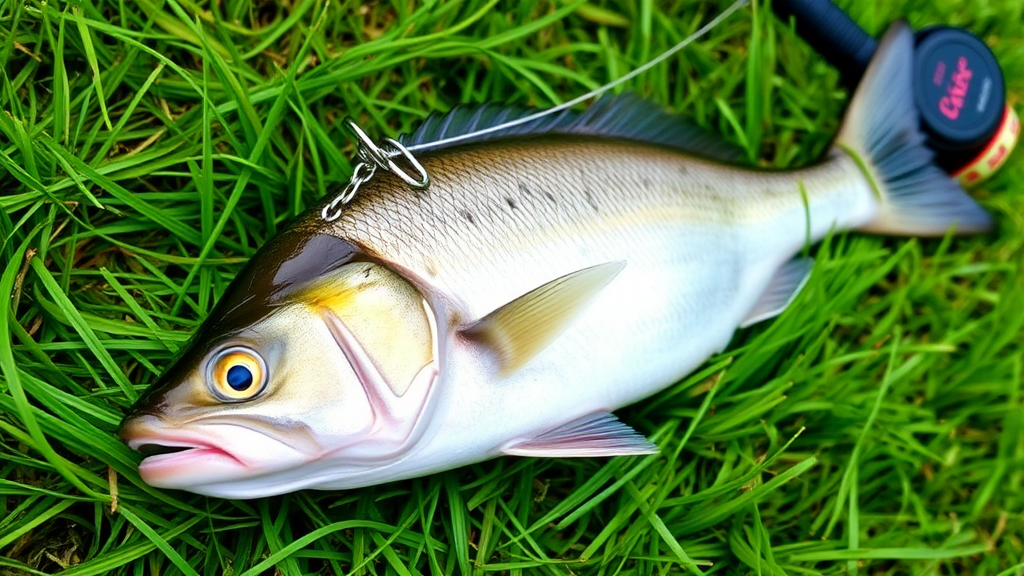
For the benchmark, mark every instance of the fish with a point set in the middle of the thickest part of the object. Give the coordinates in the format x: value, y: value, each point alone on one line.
x: 549, y: 275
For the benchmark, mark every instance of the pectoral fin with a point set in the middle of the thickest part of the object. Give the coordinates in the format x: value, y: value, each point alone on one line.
x: 519, y: 330
x: 783, y: 288
x: 600, y: 434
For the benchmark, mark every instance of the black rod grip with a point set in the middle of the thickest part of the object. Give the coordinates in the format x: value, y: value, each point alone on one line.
x: 831, y: 33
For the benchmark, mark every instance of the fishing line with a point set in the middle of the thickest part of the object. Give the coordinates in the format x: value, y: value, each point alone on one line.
x: 596, y: 92
x: 375, y: 157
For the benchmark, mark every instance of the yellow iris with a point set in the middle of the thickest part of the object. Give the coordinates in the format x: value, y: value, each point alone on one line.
x: 237, y: 374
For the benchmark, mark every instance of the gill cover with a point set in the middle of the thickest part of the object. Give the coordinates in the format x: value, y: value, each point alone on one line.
x: 368, y: 307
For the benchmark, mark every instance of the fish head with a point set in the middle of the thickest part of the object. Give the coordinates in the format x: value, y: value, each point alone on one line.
x: 325, y: 370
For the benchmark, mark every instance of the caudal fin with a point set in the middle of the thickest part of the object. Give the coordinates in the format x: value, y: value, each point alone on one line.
x: 881, y: 132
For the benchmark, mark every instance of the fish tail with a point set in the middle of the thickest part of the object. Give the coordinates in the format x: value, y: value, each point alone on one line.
x: 917, y: 198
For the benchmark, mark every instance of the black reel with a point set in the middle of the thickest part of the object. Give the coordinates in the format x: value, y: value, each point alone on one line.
x: 958, y: 84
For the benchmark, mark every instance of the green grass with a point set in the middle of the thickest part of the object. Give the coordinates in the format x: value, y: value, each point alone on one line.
x: 148, y: 148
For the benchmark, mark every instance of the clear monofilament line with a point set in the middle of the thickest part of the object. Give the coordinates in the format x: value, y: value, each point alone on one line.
x: 596, y: 92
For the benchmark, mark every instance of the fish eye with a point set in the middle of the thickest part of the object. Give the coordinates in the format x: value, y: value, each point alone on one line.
x: 236, y: 374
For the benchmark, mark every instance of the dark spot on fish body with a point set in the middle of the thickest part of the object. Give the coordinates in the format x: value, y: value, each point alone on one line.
x: 550, y: 197
x: 591, y: 200
x: 511, y: 203
x: 588, y: 194
x: 467, y: 216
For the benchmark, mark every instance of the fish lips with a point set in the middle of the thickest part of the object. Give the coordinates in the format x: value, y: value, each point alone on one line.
x: 189, y: 457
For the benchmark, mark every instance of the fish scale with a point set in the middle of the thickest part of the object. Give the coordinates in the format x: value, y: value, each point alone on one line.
x: 562, y: 223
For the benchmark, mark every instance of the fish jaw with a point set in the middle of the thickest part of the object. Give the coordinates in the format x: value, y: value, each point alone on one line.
x: 205, y: 457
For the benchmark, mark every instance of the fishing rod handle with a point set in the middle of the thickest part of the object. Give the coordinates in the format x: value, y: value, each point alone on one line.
x: 831, y: 33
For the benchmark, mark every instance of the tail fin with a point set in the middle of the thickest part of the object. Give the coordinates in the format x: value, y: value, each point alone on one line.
x: 881, y: 132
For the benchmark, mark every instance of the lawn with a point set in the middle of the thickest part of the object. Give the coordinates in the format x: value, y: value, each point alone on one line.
x: 148, y: 148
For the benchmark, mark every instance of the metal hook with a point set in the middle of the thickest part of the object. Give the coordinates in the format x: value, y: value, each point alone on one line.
x: 373, y: 157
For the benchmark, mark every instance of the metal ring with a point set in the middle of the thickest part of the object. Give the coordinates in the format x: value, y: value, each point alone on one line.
x: 373, y: 154
x: 373, y: 157
x: 366, y: 148
x: 424, y: 179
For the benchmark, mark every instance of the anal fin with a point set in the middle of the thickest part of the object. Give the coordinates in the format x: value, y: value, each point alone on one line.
x: 598, y: 434
x: 522, y: 328
x: 783, y: 288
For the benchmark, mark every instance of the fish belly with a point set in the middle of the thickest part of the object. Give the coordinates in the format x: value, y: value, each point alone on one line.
x: 665, y: 314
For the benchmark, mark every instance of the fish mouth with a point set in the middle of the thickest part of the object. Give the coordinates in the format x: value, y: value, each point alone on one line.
x: 169, y: 452
x: 152, y: 449
x: 163, y: 450
x: 180, y: 461
x: 203, y: 457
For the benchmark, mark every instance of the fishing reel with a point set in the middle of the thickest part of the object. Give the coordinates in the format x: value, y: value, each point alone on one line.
x: 958, y: 85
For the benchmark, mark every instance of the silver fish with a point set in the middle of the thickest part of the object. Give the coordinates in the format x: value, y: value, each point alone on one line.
x: 546, y: 278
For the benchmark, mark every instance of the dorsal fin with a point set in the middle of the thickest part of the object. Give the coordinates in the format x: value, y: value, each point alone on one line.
x: 626, y: 116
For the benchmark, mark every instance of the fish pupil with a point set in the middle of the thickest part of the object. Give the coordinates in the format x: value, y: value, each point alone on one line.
x: 239, y: 377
